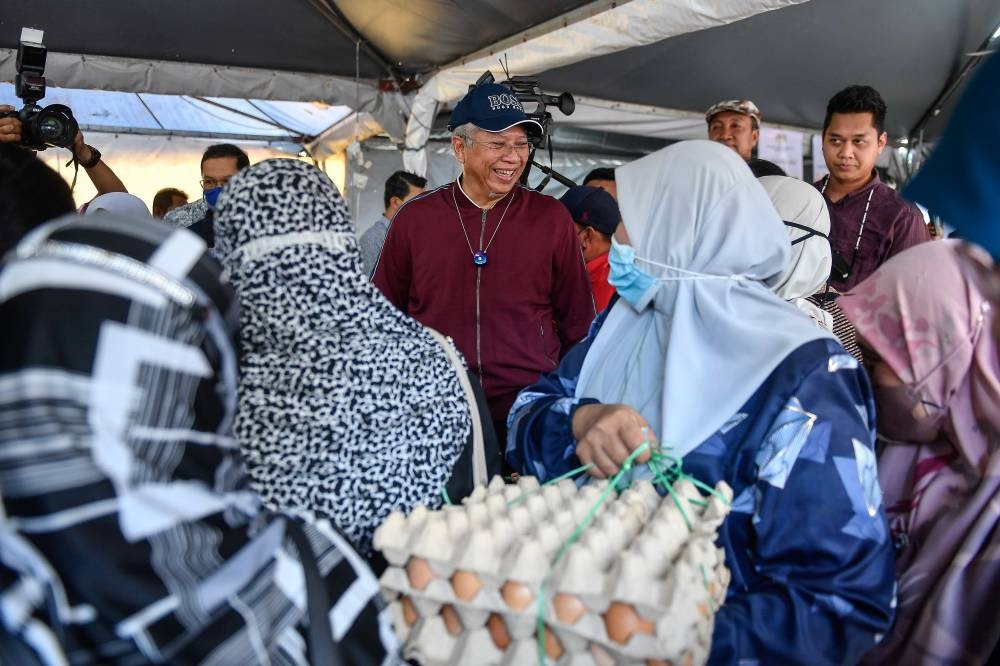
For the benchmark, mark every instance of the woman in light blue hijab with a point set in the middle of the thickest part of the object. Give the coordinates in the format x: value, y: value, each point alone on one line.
x: 697, y: 353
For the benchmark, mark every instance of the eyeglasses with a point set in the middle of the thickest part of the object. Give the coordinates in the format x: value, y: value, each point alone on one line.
x: 502, y: 148
x: 212, y: 183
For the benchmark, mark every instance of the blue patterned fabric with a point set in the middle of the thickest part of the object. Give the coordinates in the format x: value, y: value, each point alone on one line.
x: 807, y: 541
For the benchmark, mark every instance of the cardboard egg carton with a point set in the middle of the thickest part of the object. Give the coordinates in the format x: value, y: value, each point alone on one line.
x: 639, y: 585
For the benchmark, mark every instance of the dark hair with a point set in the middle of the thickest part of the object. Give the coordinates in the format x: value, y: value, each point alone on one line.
x: 30, y: 194
x: 399, y: 184
x: 761, y: 167
x: 165, y: 197
x: 600, y: 173
x: 227, y: 150
x: 857, y: 99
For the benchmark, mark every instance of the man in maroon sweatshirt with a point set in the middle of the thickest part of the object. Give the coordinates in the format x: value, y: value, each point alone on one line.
x: 488, y: 262
x: 869, y: 222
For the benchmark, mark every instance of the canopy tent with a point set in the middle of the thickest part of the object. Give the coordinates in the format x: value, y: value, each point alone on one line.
x: 642, y: 67
x: 789, y: 60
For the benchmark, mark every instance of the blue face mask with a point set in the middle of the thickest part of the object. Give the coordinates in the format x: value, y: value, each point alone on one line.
x: 212, y: 195
x: 633, y: 284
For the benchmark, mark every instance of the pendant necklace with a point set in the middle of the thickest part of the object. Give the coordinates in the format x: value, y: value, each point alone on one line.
x: 479, y: 257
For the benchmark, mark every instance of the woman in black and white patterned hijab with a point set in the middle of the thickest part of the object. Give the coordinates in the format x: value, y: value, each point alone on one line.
x: 346, y: 406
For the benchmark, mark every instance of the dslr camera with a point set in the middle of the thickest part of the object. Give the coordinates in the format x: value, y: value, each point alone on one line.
x: 41, y: 127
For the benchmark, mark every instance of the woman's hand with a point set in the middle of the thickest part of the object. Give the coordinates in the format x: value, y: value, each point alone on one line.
x: 606, y: 435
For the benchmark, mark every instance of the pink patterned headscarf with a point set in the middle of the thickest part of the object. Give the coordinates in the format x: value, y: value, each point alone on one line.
x: 926, y: 314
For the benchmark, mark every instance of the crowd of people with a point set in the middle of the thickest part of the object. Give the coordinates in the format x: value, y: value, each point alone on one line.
x: 207, y: 409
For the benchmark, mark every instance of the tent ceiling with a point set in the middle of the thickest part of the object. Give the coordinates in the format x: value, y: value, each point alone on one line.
x: 789, y: 61
x: 429, y: 33
x: 792, y: 60
x: 290, y: 35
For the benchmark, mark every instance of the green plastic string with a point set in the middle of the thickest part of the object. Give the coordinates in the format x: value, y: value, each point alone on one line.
x: 676, y: 468
x: 673, y: 494
x: 444, y: 494
x: 612, y: 486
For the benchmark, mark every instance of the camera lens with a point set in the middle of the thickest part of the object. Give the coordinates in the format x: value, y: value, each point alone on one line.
x: 53, y: 126
x: 50, y: 128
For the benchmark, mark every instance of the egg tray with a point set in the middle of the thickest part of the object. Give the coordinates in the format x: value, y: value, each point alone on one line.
x: 464, y: 581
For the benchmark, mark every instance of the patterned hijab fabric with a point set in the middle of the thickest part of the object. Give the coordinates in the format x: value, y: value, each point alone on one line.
x: 129, y: 534
x: 809, y: 267
x: 925, y: 314
x: 696, y: 207
x: 347, y: 407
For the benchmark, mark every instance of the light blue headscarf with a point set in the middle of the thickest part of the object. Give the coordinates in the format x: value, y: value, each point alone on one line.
x: 713, y: 331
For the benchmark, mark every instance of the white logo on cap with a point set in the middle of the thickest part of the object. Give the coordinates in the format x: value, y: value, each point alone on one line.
x: 504, y: 101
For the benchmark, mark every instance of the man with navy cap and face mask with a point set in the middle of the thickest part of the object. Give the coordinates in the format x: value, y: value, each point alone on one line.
x: 488, y: 262
x: 596, y: 215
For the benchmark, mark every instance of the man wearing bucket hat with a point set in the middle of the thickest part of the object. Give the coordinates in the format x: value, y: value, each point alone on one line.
x: 735, y: 123
x: 488, y: 262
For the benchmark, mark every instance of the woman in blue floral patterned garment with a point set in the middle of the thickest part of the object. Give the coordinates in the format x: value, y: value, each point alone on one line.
x: 697, y: 354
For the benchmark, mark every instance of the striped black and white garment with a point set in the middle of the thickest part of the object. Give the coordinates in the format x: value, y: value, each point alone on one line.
x: 129, y: 533
x: 347, y: 407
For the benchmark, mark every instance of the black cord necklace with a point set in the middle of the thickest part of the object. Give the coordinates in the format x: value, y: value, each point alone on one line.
x: 479, y: 257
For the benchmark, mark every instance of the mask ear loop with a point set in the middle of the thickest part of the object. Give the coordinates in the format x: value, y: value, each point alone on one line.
x: 810, y: 232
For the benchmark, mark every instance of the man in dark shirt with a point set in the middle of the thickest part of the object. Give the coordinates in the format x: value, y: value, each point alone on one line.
x: 487, y: 261
x: 219, y: 163
x: 869, y: 222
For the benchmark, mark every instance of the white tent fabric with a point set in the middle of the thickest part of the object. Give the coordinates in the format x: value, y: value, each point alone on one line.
x: 218, y: 117
x: 620, y: 27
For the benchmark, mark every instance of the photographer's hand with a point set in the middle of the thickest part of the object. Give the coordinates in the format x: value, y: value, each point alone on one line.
x: 10, y: 128
x: 100, y: 174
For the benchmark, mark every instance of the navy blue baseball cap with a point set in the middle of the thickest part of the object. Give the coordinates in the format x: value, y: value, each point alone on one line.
x: 494, y: 108
x: 592, y: 207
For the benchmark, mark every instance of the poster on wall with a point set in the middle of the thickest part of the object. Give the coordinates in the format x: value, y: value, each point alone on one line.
x: 819, y: 164
x: 783, y: 147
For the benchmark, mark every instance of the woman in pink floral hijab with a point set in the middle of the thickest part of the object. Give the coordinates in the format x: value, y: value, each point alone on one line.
x: 926, y: 318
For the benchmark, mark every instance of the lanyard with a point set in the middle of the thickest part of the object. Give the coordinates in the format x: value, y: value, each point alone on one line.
x: 864, y: 218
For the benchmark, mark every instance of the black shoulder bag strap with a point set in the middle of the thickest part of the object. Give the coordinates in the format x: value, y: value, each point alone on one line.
x: 323, y: 650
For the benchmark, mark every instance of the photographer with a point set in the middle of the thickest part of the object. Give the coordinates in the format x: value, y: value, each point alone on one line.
x: 88, y: 157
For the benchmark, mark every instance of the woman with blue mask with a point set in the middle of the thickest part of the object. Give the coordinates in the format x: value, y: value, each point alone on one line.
x: 699, y: 355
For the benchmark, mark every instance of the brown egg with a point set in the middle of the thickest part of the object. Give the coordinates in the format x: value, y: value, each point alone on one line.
x: 658, y: 662
x: 419, y: 573
x: 466, y: 585
x: 688, y: 659
x: 553, y: 648
x: 569, y: 609
x: 498, y: 631
x: 516, y: 595
x: 703, y: 609
x: 622, y: 622
x: 410, y: 614
x: 452, y: 622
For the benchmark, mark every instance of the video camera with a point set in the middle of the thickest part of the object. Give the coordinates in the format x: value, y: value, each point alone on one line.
x: 533, y: 100
x: 41, y: 127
